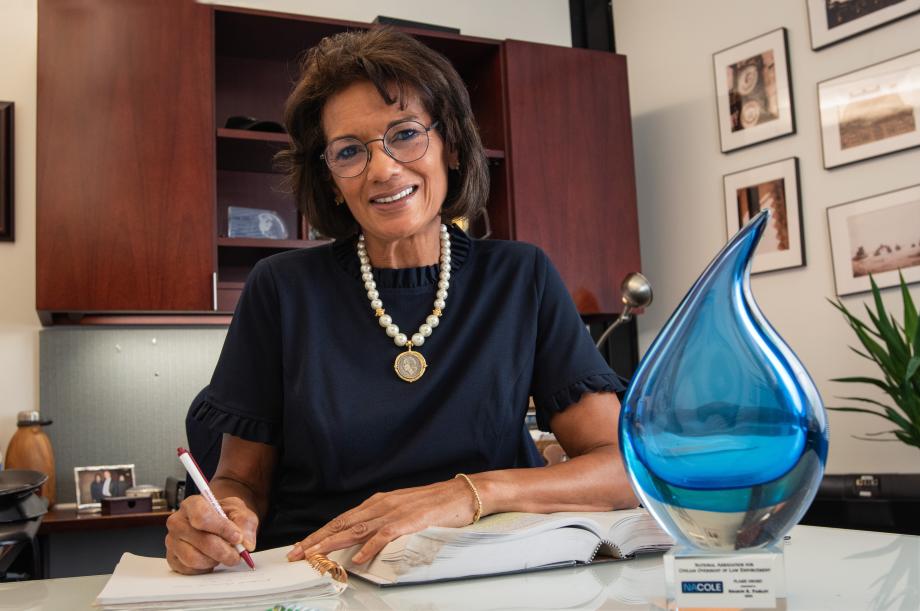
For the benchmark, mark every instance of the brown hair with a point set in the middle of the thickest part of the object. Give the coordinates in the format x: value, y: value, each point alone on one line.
x: 388, y: 59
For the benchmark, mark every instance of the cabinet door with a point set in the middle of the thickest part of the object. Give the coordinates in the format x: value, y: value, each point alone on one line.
x: 125, y: 172
x: 571, y: 164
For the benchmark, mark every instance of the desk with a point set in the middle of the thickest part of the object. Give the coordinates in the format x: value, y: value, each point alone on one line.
x: 69, y: 520
x: 75, y: 544
x: 826, y: 569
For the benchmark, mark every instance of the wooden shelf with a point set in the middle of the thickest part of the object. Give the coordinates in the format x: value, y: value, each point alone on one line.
x: 68, y: 520
x: 270, y: 244
x: 241, y: 150
x: 245, y: 134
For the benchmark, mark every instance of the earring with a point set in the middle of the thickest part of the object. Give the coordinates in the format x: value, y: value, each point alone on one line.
x: 339, y: 200
x: 455, y: 166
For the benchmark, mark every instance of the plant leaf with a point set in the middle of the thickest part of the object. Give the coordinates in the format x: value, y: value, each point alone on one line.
x: 910, y: 312
x: 874, y: 439
x: 865, y: 400
x: 912, y: 366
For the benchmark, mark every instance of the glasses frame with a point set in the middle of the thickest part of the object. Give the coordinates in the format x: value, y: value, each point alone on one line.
x: 383, y: 141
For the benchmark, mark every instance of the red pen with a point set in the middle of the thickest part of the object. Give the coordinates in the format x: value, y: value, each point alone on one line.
x: 198, y: 477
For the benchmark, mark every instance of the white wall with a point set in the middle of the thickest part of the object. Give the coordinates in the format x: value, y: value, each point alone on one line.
x: 18, y: 322
x: 534, y: 20
x: 679, y: 168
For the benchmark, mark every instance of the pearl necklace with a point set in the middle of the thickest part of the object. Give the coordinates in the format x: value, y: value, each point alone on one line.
x: 409, y: 365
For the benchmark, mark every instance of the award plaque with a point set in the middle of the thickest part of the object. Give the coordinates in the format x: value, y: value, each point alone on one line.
x: 724, y: 437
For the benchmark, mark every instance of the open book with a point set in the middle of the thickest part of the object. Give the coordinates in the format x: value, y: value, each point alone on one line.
x: 148, y: 583
x: 509, y: 543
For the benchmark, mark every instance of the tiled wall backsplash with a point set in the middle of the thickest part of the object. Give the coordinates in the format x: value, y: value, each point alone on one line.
x: 120, y: 396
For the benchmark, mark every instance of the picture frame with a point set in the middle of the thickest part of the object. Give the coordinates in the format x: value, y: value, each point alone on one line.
x: 831, y: 21
x: 776, y: 186
x: 91, y: 485
x: 870, y: 112
x: 754, y: 91
x: 6, y: 171
x: 877, y: 235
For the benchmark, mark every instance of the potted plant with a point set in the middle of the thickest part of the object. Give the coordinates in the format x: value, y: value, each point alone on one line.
x: 895, y: 348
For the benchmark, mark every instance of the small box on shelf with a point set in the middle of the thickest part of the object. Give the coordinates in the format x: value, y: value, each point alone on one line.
x: 113, y: 505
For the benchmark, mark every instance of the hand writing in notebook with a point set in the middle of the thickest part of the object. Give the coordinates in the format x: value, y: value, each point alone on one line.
x: 199, y: 538
x: 388, y: 515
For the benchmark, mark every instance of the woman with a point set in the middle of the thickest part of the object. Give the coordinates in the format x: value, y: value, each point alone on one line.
x: 346, y: 421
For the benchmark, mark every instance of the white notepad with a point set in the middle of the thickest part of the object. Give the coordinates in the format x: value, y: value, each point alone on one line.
x: 139, y: 581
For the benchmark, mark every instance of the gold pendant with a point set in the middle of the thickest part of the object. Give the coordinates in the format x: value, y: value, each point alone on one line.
x: 410, y: 365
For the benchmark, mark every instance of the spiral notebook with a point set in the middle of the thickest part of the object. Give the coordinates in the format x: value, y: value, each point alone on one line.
x: 140, y: 582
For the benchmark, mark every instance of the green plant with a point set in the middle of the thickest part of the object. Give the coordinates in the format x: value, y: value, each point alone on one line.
x: 895, y: 349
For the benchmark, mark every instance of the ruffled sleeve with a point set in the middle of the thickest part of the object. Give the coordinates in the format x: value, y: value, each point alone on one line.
x: 245, y: 396
x: 572, y: 393
x: 245, y: 426
x: 566, y: 363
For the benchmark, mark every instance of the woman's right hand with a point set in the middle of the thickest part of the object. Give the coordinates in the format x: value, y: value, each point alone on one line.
x: 198, y: 538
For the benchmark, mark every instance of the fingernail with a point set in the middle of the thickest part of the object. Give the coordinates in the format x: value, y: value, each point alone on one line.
x: 358, y: 558
x: 294, y: 552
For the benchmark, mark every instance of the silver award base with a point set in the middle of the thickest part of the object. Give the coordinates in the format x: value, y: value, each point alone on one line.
x: 749, y: 579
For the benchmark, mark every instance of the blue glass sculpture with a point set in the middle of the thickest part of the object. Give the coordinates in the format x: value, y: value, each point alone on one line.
x: 722, y: 430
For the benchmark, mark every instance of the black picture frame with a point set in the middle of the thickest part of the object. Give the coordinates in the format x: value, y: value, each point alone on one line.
x: 6, y: 172
x: 877, y: 235
x: 824, y: 35
x: 882, y: 111
x: 753, y: 82
x: 775, y: 185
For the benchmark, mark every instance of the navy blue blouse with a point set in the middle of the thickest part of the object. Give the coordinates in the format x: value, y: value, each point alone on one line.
x: 307, y: 368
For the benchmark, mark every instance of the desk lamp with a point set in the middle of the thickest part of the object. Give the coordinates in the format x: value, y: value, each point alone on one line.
x: 636, y: 293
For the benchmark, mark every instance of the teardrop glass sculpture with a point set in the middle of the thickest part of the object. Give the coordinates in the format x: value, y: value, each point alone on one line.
x: 722, y: 430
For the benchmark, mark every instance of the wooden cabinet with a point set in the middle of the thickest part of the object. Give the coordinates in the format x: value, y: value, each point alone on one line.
x: 125, y: 167
x: 570, y: 161
x: 138, y: 168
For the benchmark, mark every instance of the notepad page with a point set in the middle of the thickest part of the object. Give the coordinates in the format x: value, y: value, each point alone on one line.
x: 142, y: 579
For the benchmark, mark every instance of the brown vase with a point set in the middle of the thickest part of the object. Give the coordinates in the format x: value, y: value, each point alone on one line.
x: 30, y: 448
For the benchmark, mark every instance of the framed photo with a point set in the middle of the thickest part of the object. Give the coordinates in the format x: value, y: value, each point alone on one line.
x: 834, y: 20
x: 753, y: 92
x: 94, y: 483
x: 871, y: 112
x: 877, y: 235
x: 6, y: 171
x: 774, y: 186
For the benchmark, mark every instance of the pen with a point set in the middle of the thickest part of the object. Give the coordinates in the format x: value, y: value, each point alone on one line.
x: 198, y: 477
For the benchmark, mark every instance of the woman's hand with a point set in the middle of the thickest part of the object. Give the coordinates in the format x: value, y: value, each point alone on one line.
x: 198, y: 538
x: 388, y: 515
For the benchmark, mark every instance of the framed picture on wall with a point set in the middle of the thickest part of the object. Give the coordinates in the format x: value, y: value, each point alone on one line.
x: 774, y: 186
x: 877, y: 235
x: 753, y: 92
x: 871, y: 112
x: 6, y: 171
x: 831, y: 21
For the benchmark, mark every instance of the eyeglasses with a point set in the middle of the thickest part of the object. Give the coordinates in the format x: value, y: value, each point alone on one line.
x: 405, y: 142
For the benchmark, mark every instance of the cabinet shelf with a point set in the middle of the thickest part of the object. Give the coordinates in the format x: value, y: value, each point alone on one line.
x: 245, y: 134
x: 240, y: 150
x: 268, y: 244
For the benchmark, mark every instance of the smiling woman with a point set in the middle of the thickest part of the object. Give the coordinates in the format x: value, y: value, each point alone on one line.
x: 325, y: 443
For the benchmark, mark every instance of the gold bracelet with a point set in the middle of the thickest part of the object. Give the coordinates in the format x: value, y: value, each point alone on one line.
x: 469, y: 483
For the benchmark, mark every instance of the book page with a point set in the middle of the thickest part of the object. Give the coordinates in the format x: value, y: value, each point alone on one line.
x: 511, y: 525
x: 138, y: 579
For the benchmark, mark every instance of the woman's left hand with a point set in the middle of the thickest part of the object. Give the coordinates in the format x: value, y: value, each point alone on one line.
x: 388, y: 515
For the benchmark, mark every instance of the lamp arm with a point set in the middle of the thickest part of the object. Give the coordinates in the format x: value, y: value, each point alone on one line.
x: 625, y: 316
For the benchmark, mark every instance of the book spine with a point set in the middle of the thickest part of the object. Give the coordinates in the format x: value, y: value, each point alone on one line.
x: 616, y: 552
